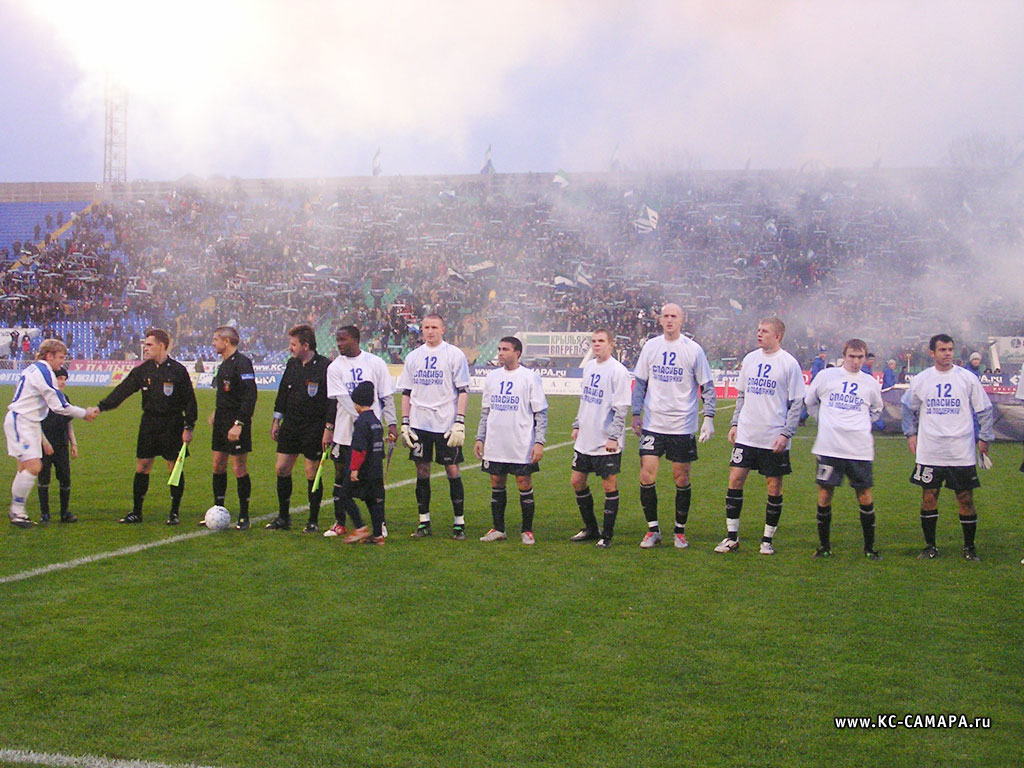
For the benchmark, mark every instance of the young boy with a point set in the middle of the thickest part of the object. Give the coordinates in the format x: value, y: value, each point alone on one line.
x: 59, y: 447
x: 367, y: 467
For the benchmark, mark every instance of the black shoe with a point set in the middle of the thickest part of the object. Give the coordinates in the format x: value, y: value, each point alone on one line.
x: 871, y: 554
x: 603, y: 543
x: 172, y: 519
x: 44, y: 517
x: 131, y: 517
x: 821, y: 553
x: 279, y: 524
x: 243, y: 524
x: 586, y: 535
x: 929, y: 553
x: 311, y: 527
x: 69, y: 517
x: 422, y: 531
x: 459, y: 533
x: 968, y: 553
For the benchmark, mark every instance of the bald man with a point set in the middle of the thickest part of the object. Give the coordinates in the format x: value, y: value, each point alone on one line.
x: 672, y: 375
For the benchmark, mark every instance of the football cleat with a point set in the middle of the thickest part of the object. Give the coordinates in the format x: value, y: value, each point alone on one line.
x: 969, y: 554
x: 526, y: 537
x: 44, y: 517
x: 336, y: 530
x: 586, y: 535
x: 650, y: 540
x: 821, y: 553
x: 680, y: 541
x: 929, y: 553
x: 358, y: 535
x: 422, y: 531
x: 767, y: 548
x: 242, y: 524
x: 172, y: 519
x: 69, y: 517
x: 459, y: 532
x: 871, y: 554
x: 279, y: 524
x: 22, y: 521
x: 311, y: 527
x: 727, y: 545
x: 378, y: 540
x: 603, y: 543
x: 130, y: 518
x: 493, y: 535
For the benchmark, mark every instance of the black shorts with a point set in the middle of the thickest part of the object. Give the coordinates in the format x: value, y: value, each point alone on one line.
x: 955, y: 478
x: 680, y: 449
x: 434, y: 446
x: 220, y: 440
x: 606, y: 465
x: 832, y: 470
x: 305, y: 437
x: 507, y: 468
x: 159, y: 437
x: 764, y: 460
x: 371, y: 491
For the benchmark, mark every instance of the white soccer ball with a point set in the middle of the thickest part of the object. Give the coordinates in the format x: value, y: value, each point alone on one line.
x: 218, y: 518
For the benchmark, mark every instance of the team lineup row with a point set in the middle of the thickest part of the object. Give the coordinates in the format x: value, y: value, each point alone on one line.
x: 334, y: 411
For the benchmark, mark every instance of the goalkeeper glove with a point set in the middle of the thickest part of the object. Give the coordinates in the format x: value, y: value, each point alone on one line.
x: 707, y: 429
x: 457, y: 434
x: 409, y: 437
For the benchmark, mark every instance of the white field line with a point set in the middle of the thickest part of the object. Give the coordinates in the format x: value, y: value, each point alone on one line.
x: 68, y: 564
x: 82, y: 761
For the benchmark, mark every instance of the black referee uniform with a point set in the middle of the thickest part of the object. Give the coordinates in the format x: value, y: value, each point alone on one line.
x: 303, y: 409
x: 168, y: 408
x: 235, y: 382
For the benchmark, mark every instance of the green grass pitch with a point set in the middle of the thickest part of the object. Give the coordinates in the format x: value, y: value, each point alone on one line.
x: 283, y: 649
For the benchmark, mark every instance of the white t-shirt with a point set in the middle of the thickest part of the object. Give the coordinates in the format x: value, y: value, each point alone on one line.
x: 768, y: 383
x: 845, y: 401
x: 946, y: 402
x: 37, y: 393
x: 606, y: 386
x: 512, y: 397
x: 434, y: 375
x: 674, y: 372
x: 343, y: 375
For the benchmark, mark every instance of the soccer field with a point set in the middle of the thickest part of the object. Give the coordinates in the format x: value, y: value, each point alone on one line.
x: 266, y: 648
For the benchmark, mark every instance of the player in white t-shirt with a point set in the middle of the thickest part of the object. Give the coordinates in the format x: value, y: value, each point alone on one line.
x: 510, y: 438
x: 939, y: 408
x: 845, y: 401
x: 351, y: 367
x: 671, y: 376
x: 435, y: 389
x: 768, y: 408
x: 599, y: 432
x: 34, y: 397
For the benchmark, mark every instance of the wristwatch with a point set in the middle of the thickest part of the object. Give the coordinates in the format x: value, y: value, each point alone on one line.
x: 239, y: 423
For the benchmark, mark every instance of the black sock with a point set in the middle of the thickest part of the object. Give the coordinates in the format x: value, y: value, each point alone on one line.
x: 499, y: 497
x: 867, y: 524
x: 284, y: 496
x: 220, y: 488
x: 315, y: 497
x: 457, y: 492
x: 65, y: 500
x: 825, y: 526
x: 139, y: 487
x: 928, y: 522
x: 377, y: 517
x: 649, y: 502
x: 244, y: 491
x: 970, y: 527
x: 772, y: 513
x: 611, y: 510
x: 177, y: 491
x: 353, y: 511
x: 339, y: 505
x: 682, y: 508
x: 44, y: 498
x: 733, y: 507
x: 585, y: 501
x: 423, y: 498
x: 527, y: 506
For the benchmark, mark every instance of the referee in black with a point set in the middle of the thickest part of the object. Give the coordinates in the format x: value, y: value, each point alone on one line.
x: 300, y: 412
x: 235, y: 382
x: 168, y: 417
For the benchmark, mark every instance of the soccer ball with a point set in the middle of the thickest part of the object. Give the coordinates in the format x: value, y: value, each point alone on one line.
x: 218, y: 518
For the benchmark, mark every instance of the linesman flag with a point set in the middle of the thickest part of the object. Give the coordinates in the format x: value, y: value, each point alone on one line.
x: 179, y: 466
x: 317, y: 479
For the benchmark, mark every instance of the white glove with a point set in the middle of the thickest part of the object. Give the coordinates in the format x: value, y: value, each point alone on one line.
x: 707, y: 429
x: 457, y: 434
x: 984, y: 461
x: 409, y: 437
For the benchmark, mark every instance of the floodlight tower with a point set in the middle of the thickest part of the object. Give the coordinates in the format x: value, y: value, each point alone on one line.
x: 115, y: 134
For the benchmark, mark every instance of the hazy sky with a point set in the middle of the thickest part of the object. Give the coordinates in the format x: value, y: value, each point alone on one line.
x: 307, y: 88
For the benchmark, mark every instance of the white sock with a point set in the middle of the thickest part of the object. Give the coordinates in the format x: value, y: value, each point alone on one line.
x: 732, y: 524
x: 21, y: 487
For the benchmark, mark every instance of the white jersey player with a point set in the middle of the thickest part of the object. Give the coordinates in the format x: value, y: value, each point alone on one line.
x: 768, y: 408
x: 510, y: 438
x: 351, y: 367
x: 845, y: 401
x: 671, y: 377
x: 939, y: 409
x: 435, y: 389
x: 35, y: 395
x: 599, y: 432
